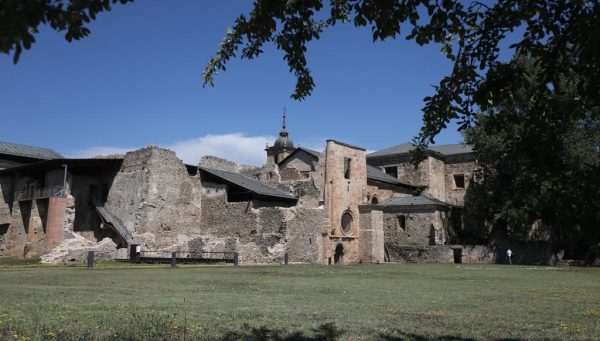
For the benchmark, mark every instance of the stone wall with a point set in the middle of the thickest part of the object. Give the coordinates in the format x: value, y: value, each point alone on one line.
x: 465, y: 254
x: 342, y: 195
x: 454, y: 195
x: 423, y: 226
x: 153, y: 193
x: 383, y: 192
x: 88, y: 191
x: 301, y: 161
x: 263, y: 234
x: 303, y: 233
x: 372, y: 239
x: 436, y: 184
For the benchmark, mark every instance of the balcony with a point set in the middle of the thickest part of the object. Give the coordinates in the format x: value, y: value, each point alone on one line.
x: 41, y: 193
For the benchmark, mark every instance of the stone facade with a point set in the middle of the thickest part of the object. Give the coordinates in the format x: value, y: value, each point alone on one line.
x: 313, y: 207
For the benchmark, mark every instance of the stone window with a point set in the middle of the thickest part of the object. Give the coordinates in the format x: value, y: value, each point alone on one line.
x: 374, y: 201
x: 393, y: 171
x: 347, y: 167
x: 402, y: 221
x: 346, y: 222
x: 459, y: 180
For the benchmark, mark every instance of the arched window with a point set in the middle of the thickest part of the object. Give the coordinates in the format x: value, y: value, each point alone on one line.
x: 346, y: 222
x: 374, y: 200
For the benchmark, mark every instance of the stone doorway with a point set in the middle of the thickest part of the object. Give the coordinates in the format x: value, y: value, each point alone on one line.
x: 338, y: 256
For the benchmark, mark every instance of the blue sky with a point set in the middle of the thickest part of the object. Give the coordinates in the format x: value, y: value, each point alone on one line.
x: 137, y: 81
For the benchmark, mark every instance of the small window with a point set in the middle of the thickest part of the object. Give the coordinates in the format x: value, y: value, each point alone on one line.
x: 459, y: 180
x: 393, y: 171
x: 346, y: 222
x: 347, y: 168
x: 402, y: 221
x: 374, y: 201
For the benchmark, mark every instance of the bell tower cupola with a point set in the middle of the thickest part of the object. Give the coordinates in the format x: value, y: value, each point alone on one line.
x: 282, y: 147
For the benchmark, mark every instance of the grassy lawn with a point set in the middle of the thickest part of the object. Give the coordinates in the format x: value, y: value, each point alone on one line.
x: 387, y: 302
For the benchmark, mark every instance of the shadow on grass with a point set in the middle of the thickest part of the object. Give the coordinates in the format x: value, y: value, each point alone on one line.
x: 326, y: 331
x: 329, y: 331
x: 401, y: 336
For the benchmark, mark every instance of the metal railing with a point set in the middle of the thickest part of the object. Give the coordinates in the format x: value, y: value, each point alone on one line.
x: 161, y: 256
x: 41, y: 193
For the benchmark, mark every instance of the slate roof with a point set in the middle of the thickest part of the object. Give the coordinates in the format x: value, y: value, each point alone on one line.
x: 247, y: 183
x: 452, y: 149
x: 311, y: 152
x: 405, y: 148
x: 374, y: 173
x: 22, y: 150
x: 397, y: 149
x: 415, y: 200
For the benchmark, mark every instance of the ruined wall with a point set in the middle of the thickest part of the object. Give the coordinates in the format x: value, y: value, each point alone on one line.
x: 267, y: 173
x: 465, y: 254
x: 153, y: 193
x: 303, y: 234
x: 27, y: 229
x: 454, y: 195
x: 423, y: 226
x: 5, y: 214
x: 260, y: 235
x: 89, y: 191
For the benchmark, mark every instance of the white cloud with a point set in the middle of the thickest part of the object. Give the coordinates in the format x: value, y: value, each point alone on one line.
x: 235, y: 147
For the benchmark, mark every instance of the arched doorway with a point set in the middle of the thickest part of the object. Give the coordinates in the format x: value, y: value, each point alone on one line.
x: 339, y: 254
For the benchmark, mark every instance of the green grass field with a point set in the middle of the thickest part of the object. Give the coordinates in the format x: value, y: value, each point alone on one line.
x: 386, y: 302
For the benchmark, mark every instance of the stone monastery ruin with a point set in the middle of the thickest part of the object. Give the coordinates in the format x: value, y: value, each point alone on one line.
x: 336, y: 206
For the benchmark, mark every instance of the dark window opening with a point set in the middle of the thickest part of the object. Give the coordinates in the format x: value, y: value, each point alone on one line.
x: 374, y: 201
x: 459, y: 180
x: 310, y: 241
x: 4, y: 228
x: 347, y: 168
x: 346, y: 222
x: 402, y: 221
x: 393, y: 171
x: 339, y: 254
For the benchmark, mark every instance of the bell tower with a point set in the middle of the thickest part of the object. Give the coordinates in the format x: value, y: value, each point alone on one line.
x: 282, y: 147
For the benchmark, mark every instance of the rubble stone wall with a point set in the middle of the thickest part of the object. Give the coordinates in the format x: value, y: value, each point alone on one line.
x: 152, y: 192
x: 423, y: 227
x: 454, y: 195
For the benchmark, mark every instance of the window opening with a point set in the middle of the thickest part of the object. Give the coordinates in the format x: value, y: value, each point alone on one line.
x: 402, y: 221
x: 459, y: 180
x: 347, y: 168
x: 393, y: 171
x: 346, y: 222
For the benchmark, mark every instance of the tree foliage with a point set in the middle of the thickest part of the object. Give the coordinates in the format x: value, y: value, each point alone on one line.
x: 540, y: 163
x: 470, y: 34
x: 20, y: 19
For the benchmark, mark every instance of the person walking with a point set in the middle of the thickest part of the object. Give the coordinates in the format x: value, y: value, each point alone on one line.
x: 138, y: 253
x: 509, y: 254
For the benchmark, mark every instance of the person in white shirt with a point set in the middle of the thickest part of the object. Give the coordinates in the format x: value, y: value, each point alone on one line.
x: 509, y: 256
x: 138, y: 253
